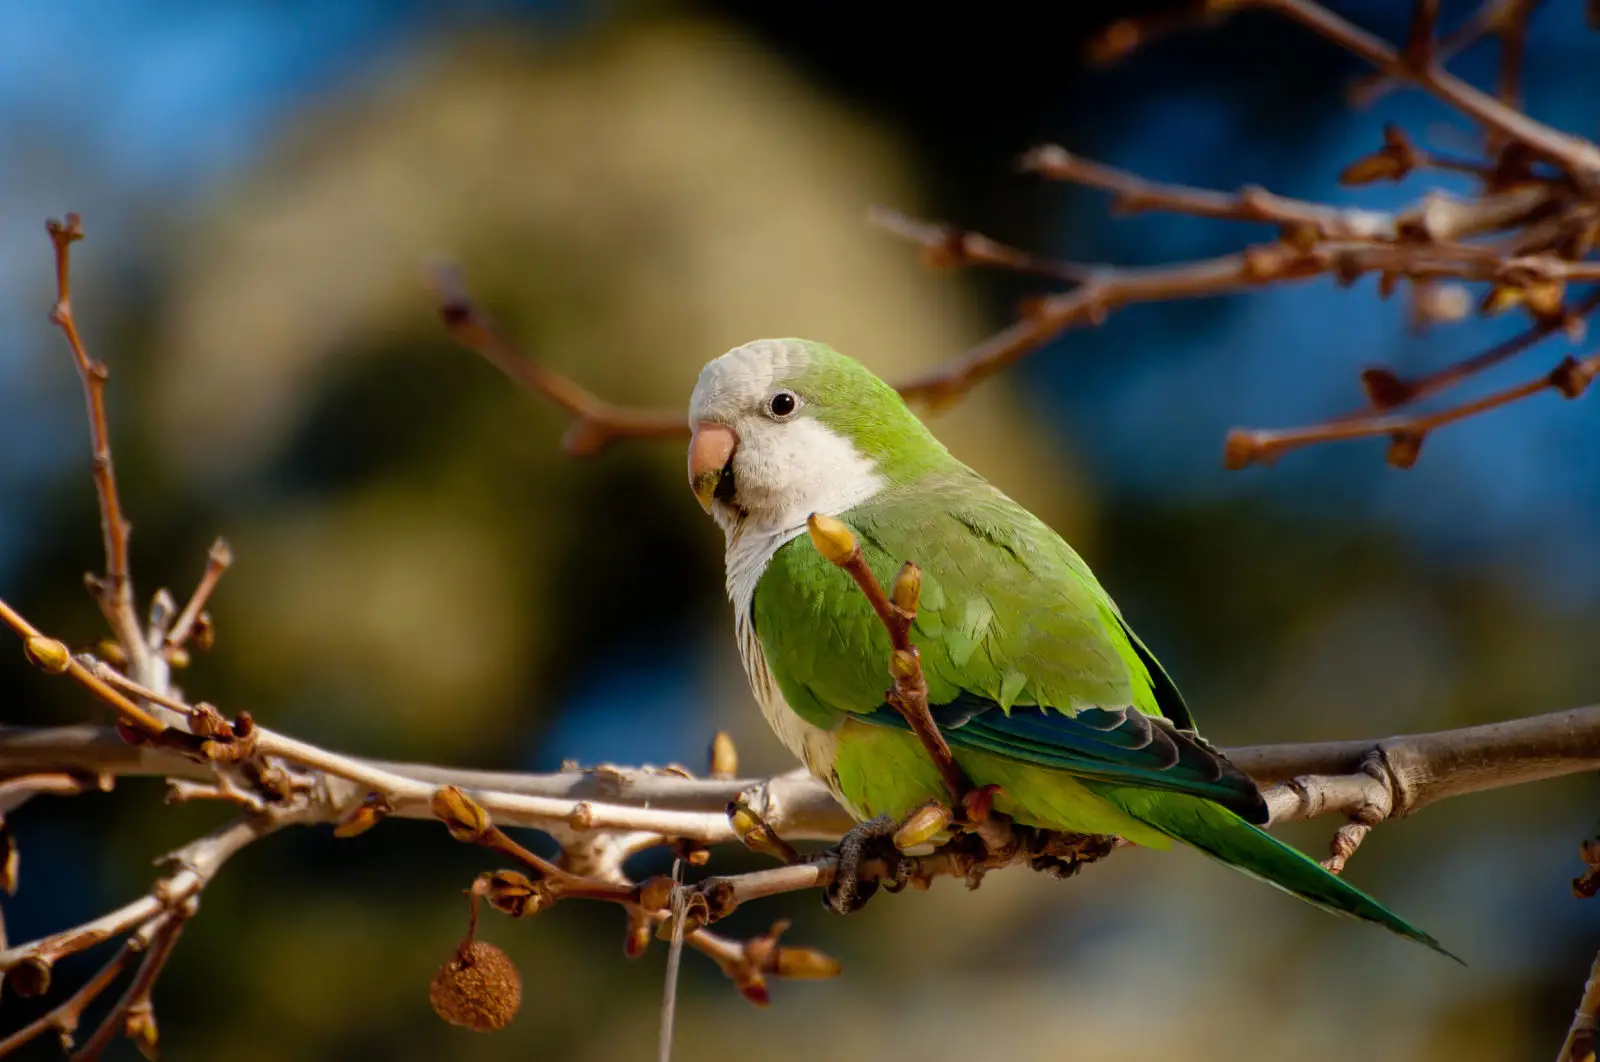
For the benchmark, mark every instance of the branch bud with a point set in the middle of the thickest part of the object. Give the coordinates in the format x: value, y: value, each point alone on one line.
x: 1500, y: 298
x: 110, y: 650
x: 904, y: 666
x: 833, y: 539
x: 140, y: 1027
x: 655, y: 893
x: 1404, y: 448
x: 372, y: 811
x: 638, y: 937
x: 511, y: 893
x: 922, y: 826
x: 907, y: 589
x: 724, y: 756
x: 204, y: 632
x: 462, y: 815
x: 806, y: 964
x: 47, y: 654
x: 1544, y: 297
x: 478, y: 988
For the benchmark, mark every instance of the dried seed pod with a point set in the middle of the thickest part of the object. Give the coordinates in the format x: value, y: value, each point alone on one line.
x: 477, y: 988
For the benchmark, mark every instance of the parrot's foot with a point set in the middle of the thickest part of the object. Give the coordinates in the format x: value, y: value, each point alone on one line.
x: 866, y: 842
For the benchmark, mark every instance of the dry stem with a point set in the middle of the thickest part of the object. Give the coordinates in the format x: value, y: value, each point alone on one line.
x: 596, y: 422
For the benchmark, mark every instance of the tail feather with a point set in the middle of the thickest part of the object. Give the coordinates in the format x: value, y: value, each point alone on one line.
x: 1230, y: 840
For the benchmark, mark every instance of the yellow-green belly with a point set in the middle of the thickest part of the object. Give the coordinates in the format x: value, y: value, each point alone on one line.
x: 886, y: 772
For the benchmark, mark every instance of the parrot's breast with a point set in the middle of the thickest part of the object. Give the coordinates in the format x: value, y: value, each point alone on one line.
x: 815, y: 747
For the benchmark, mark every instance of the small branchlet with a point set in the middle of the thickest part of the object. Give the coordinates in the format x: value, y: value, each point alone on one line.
x: 837, y: 544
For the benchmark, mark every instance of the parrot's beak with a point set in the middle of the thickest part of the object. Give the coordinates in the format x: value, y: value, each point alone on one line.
x: 711, y: 461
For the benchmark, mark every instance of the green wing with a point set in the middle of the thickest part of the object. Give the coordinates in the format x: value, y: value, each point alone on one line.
x: 1024, y: 653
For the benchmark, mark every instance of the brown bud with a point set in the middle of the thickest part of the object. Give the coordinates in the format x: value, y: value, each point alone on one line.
x: 1369, y: 169
x: 695, y: 916
x: 177, y: 657
x: 1388, y: 281
x: 752, y: 985
x: 371, y: 812
x: 922, y: 826
x: 1240, y: 450
x: 10, y: 859
x: 1543, y: 297
x: 140, y: 1027
x: 512, y: 893
x: 47, y: 654
x: 478, y: 988
x: 204, y: 633
x: 832, y: 538
x: 907, y: 588
x: 637, y: 940
x: 1589, y: 851
x: 30, y: 977
x: 462, y: 815
x: 1572, y: 377
x: 1404, y: 448
x: 806, y: 964
x: 1384, y: 389
x: 724, y: 756
x: 655, y: 894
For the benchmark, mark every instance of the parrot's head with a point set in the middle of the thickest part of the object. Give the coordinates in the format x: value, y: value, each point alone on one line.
x: 784, y: 428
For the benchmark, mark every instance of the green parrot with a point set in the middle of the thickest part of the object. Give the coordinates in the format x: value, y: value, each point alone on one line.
x: 1034, y: 678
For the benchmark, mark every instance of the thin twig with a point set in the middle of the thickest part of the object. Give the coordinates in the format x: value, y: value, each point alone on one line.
x: 65, y: 1016
x: 835, y: 541
x: 1244, y: 447
x: 164, y: 937
x: 1577, y: 156
x: 115, y: 591
x: 596, y: 422
x: 218, y: 560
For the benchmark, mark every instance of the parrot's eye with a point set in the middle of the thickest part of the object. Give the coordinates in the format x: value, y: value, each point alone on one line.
x: 783, y: 404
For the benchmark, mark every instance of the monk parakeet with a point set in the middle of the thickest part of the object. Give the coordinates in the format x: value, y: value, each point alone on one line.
x: 1035, y: 680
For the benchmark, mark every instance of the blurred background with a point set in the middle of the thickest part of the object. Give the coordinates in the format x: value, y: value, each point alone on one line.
x: 633, y: 188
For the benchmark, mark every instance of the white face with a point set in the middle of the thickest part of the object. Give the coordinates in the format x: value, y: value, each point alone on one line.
x: 786, y: 463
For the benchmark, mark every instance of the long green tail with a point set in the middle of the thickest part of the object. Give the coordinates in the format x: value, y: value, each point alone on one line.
x: 1227, y: 838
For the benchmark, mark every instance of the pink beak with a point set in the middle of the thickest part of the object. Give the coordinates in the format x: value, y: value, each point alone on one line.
x: 710, y: 449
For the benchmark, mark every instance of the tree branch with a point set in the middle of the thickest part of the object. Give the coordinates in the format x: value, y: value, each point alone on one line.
x: 596, y: 422
x: 1578, y: 157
